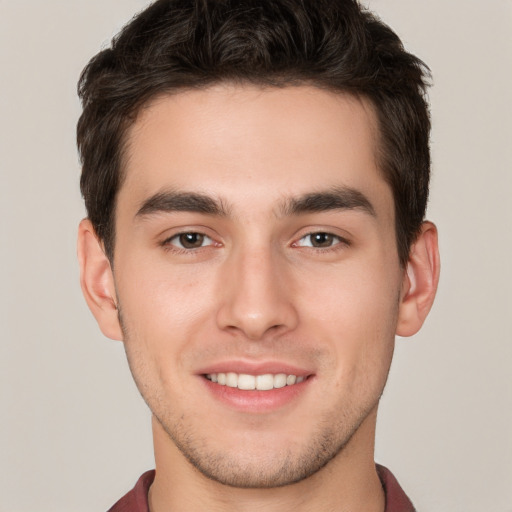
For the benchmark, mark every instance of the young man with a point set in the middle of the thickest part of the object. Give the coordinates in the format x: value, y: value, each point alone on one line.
x: 256, y: 174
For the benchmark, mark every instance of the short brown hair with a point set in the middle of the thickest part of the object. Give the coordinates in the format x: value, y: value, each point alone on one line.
x: 182, y: 44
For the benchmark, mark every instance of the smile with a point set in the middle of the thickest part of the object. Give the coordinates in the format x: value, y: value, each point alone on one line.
x: 264, y: 382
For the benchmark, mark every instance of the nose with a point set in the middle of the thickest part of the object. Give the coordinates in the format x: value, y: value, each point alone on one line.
x: 256, y: 296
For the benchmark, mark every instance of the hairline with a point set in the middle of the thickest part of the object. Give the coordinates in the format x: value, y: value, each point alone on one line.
x: 278, y: 82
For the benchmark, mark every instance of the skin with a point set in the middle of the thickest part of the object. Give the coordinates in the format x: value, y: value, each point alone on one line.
x: 257, y: 289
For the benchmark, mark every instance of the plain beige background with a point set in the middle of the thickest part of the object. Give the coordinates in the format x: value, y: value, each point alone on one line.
x: 74, y: 434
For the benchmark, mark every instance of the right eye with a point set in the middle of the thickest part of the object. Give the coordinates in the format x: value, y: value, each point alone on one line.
x: 189, y: 240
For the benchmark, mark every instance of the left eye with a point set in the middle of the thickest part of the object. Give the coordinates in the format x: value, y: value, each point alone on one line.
x: 319, y: 240
x: 190, y: 240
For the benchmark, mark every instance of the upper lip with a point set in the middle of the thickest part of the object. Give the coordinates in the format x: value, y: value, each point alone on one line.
x: 254, y: 368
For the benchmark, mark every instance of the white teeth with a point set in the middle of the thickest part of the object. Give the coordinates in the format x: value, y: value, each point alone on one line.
x: 265, y: 382
x: 231, y: 380
x: 280, y: 380
x: 246, y: 381
x: 290, y: 380
x: 249, y: 382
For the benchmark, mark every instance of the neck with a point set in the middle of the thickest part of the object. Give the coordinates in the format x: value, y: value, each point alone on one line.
x: 348, y: 482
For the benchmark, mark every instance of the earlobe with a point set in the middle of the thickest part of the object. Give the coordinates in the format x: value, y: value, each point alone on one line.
x: 97, y: 281
x: 420, y: 281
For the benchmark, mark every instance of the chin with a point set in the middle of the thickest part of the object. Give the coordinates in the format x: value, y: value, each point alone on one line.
x: 264, y: 472
x: 263, y: 462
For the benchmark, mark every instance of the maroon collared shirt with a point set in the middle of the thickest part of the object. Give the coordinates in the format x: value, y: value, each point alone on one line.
x: 137, y: 499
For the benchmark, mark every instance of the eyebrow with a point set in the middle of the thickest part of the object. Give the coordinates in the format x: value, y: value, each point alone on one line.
x: 339, y: 198
x: 172, y: 201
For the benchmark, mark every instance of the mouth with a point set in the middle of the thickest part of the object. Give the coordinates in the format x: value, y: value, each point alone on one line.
x: 257, y: 388
x: 247, y: 382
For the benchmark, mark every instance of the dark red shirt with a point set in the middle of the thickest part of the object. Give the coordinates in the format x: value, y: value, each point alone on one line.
x: 137, y: 499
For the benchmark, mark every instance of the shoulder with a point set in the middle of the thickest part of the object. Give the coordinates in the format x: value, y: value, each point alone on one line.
x: 137, y: 499
x: 396, y: 499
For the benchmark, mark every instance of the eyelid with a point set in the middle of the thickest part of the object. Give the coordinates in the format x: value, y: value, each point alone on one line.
x: 177, y: 236
x: 341, y: 240
x: 167, y: 241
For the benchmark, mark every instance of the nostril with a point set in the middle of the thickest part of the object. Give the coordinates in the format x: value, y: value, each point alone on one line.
x: 255, y: 305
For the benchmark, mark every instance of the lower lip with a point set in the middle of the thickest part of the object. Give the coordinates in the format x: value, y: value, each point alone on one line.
x: 254, y: 401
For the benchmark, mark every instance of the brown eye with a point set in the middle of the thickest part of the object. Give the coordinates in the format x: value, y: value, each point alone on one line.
x: 321, y: 240
x: 190, y: 240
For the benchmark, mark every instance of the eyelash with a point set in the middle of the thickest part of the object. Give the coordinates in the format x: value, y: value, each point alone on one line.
x: 169, y: 246
x: 338, y: 242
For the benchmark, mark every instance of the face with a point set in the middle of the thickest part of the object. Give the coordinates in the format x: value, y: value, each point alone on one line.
x: 257, y: 277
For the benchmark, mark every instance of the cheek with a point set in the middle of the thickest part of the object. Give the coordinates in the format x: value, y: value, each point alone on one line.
x: 360, y: 294
x: 162, y: 311
x: 356, y: 309
x: 156, y: 294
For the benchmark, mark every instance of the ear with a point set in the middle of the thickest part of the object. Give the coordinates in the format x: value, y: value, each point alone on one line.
x: 420, y: 281
x: 97, y: 281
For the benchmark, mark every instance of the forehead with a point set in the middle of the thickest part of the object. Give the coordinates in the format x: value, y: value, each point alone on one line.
x: 246, y: 141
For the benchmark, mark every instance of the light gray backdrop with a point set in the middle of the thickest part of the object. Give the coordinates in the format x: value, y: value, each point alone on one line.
x: 74, y: 434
